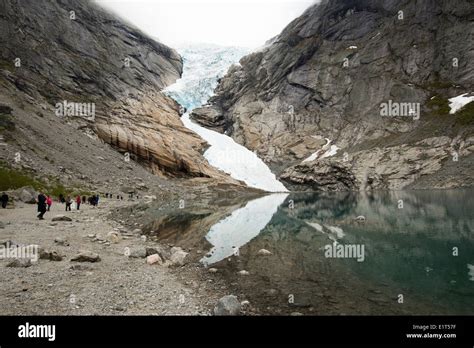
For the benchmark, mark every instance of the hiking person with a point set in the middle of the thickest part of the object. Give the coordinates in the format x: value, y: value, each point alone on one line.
x: 49, y: 202
x: 78, y: 202
x: 41, y: 201
x: 68, y: 203
x: 61, y: 198
x: 4, y: 200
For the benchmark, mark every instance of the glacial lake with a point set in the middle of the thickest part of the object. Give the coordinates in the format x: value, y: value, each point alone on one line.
x: 387, y: 253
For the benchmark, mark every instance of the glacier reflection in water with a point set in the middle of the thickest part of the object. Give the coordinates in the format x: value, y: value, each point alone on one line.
x: 244, y: 224
x: 424, y: 251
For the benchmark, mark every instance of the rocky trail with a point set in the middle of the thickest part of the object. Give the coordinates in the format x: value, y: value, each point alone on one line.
x: 120, y: 282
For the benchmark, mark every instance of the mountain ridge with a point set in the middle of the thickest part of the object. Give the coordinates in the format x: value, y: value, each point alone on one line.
x: 327, y: 75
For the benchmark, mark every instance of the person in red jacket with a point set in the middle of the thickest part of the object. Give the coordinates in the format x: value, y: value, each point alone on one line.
x: 78, y: 202
x: 49, y: 202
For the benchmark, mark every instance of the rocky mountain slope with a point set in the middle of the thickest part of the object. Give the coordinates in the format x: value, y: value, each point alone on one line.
x: 62, y: 51
x: 311, y: 101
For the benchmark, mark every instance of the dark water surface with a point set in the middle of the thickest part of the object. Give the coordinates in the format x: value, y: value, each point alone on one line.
x: 413, y: 251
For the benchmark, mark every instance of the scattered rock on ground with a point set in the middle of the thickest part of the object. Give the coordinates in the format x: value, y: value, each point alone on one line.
x: 61, y: 241
x: 19, y: 263
x: 227, y: 305
x: 86, y: 256
x: 81, y: 267
x: 138, y: 253
x: 178, y: 256
x: 50, y: 255
x: 114, y: 237
x: 61, y: 218
x: 152, y: 259
x: 164, y: 253
x: 264, y: 252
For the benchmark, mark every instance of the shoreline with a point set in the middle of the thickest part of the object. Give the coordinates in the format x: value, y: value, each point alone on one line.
x: 115, y: 285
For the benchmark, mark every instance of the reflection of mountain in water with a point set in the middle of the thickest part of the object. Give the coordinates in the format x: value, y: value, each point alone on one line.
x: 407, y: 251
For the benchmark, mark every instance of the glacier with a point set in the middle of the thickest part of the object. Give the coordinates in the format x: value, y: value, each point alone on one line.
x: 203, y: 66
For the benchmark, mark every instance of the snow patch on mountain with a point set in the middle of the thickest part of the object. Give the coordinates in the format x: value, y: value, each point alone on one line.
x: 457, y: 103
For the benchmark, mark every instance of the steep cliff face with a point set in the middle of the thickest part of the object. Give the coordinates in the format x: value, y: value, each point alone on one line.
x: 311, y: 102
x: 62, y: 51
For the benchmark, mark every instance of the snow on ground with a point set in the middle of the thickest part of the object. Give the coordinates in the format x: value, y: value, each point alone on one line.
x: 457, y: 103
x: 203, y: 66
x: 316, y: 226
x: 336, y: 231
x: 329, y: 150
x: 243, y: 225
x: 235, y: 159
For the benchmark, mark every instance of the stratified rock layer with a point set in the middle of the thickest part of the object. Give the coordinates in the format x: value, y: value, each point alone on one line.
x: 74, y: 51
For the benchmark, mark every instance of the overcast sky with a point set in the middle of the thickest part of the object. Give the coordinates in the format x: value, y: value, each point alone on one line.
x: 247, y: 23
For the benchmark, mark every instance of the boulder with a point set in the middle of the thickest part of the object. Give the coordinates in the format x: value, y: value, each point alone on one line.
x: 114, y: 237
x: 137, y: 253
x: 86, y: 256
x: 61, y: 241
x: 50, y: 255
x: 61, y: 218
x: 264, y: 252
x: 228, y: 305
x: 26, y: 194
x: 164, y: 253
x: 178, y: 256
x: 152, y: 259
x: 210, y: 117
x: 18, y: 263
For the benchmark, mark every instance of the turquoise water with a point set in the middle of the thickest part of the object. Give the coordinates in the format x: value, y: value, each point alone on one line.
x: 418, y: 252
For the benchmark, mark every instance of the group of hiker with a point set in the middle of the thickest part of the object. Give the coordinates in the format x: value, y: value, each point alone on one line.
x: 130, y: 196
x: 44, y: 202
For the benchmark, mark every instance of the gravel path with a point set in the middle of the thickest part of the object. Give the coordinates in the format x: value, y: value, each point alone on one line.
x: 113, y: 286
